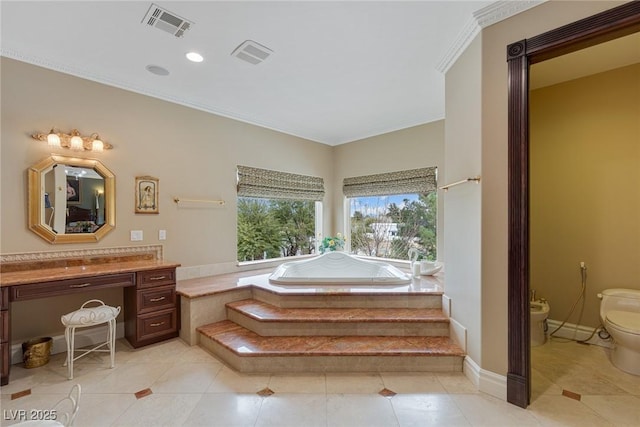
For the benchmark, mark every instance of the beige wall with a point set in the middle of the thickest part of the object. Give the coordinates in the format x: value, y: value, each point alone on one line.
x: 462, y: 203
x: 412, y: 148
x: 585, y: 189
x: 489, y: 141
x: 193, y: 153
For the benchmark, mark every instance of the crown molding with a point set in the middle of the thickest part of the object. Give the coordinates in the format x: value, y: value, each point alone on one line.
x: 483, y: 18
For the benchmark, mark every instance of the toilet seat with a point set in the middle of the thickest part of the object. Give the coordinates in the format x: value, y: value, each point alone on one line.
x: 624, y: 321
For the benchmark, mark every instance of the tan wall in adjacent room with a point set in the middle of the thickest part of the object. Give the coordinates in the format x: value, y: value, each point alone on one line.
x: 585, y: 190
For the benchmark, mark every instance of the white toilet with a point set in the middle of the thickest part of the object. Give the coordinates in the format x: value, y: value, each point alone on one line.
x: 620, y: 315
x: 539, y: 311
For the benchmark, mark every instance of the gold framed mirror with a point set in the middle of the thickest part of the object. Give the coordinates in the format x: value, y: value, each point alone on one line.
x: 71, y: 200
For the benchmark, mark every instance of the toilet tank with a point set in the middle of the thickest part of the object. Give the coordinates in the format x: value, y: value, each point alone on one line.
x: 619, y: 299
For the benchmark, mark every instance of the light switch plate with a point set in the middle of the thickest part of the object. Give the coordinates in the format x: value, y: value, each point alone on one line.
x: 162, y: 234
x: 136, y: 235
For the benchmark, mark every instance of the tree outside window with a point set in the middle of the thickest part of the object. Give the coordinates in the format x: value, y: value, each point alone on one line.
x: 388, y: 226
x: 269, y: 228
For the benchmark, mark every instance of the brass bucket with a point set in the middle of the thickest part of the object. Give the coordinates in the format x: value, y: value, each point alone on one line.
x: 36, y: 352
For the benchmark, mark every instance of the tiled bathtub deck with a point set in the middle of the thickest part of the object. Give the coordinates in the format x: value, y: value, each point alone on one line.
x: 329, y: 328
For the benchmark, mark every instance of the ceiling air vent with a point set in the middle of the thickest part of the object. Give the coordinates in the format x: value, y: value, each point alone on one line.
x: 166, y: 21
x: 252, y: 52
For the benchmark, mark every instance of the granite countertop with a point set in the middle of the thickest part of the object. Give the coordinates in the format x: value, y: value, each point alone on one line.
x: 211, y: 285
x: 59, y: 273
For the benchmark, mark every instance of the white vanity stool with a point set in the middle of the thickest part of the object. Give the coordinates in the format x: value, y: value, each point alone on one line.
x: 90, y: 316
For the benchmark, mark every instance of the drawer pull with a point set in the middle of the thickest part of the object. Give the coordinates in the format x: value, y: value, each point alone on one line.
x: 157, y: 278
x: 84, y: 285
x: 153, y: 325
x: 157, y: 299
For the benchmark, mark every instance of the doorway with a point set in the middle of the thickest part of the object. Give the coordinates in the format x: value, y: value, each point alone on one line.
x: 611, y: 24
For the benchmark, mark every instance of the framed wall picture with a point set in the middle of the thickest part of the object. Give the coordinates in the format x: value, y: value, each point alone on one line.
x: 146, y: 195
x: 74, y: 190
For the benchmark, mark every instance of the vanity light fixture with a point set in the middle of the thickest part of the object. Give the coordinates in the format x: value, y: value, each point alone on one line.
x: 74, y: 140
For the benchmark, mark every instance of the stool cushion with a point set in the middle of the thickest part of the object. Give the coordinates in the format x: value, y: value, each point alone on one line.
x: 90, y: 316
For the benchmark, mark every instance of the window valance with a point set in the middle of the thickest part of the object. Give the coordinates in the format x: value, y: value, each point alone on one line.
x: 269, y: 184
x: 421, y: 180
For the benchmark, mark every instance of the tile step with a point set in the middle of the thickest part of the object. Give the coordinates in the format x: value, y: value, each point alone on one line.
x: 269, y: 320
x: 350, y: 298
x: 247, y: 351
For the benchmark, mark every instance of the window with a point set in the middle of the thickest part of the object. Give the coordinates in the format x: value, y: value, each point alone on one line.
x: 393, y: 212
x: 270, y: 228
x: 278, y: 213
x: 388, y: 226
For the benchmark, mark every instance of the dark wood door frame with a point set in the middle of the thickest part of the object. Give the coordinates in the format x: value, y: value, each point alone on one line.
x: 608, y: 25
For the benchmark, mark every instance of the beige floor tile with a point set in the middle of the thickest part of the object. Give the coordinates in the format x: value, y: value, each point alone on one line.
x: 225, y: 410
x: 563, y: 411
x: 229, y: 381
x: 360, y: 410
x: 293, y: 410
x: 298, y: 383
x: 159, y: 410
x: 542, y: 385
x: 128, y: 378
x: 354, y: 383
x: 187, y: 378
x: 456, y: 383
x: 195, y: 354
x: 164, y: 352
x: 418, y: 410
x: 412, y: 383
x: 620, y: 410
x: 484, y: 410
x: 97, y: 410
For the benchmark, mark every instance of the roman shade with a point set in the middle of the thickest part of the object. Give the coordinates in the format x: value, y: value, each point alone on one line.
x: 269, y: 184
x: 421, y: 180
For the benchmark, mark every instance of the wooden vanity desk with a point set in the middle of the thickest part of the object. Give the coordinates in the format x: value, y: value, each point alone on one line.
x: 150, y: 301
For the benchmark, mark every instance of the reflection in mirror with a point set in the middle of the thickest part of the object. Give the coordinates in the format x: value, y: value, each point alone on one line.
x: 71, y: 200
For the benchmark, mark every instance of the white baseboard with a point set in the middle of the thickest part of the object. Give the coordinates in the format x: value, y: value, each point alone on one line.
x: 84, y: 337
x: 576, y: 332
x: 446, y: 305
x: 486, y: 381
x: 458, y: 334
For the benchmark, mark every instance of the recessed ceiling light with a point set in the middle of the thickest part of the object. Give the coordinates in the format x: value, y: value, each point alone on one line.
x: 157, y: 70
x: 194, y: 57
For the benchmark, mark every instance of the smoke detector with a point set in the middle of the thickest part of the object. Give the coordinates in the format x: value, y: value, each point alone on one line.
x: 252, y: 52
x: 166, y: 21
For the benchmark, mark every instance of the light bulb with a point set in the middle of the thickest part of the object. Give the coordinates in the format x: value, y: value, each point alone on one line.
x: 53, y: 139
x: 97, y: 145
x: 76, y: 143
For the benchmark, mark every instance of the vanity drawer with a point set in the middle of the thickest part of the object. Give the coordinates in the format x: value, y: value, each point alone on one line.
x: 70, y: 286
x: 157, y: 324
x: 152, y: 278
x: 158, y: 298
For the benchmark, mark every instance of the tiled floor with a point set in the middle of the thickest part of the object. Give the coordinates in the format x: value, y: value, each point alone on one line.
x: 608, y: 396
x: 189, y: 387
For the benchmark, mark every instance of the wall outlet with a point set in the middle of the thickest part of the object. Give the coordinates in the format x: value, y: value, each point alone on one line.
x: 162, y: 234
x: 136, y: 235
